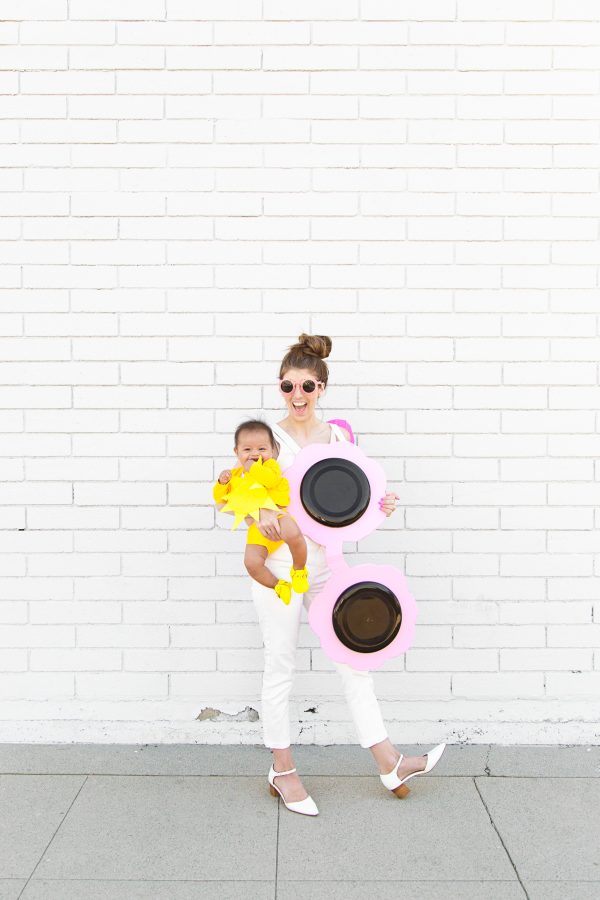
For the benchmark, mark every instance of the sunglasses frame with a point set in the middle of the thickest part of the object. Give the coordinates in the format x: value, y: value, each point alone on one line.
x: 299, y: 384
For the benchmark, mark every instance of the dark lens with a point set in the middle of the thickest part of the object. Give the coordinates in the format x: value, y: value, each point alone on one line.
x: 335, y: 492
x: 367, y: 617
x: 287, y: 387
x: 308, y: 386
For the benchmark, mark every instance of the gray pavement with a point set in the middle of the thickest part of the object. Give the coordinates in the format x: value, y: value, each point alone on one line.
x: 181, y: 822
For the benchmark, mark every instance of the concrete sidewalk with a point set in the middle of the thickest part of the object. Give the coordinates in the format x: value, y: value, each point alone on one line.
x: 176, y: 822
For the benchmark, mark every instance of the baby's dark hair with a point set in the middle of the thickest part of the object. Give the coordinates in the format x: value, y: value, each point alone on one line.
x: 255, y: 425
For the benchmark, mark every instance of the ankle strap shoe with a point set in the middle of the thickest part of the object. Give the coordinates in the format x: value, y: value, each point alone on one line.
x: 306, y: 807
x: 397, y: 785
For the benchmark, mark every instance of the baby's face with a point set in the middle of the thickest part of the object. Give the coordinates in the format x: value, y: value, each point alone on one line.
x: 252, y: 445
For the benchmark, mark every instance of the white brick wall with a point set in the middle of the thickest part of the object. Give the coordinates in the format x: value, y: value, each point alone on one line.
x: 187, y: 185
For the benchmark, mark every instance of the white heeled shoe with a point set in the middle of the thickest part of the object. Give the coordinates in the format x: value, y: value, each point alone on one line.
x: 306, y: 807
x: 397, y: 785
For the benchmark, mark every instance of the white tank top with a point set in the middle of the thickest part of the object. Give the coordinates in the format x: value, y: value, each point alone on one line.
x: 289, y: 449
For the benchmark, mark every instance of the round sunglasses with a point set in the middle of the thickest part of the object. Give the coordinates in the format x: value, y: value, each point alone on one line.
x: 308, y: 386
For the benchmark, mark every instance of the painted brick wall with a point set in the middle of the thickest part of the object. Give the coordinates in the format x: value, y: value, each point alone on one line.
x: 187, y: 185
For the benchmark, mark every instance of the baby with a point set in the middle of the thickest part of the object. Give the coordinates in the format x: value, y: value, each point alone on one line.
x: 255, y: 441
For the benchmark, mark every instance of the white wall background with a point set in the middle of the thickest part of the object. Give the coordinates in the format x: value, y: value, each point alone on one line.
x: 188, y: 185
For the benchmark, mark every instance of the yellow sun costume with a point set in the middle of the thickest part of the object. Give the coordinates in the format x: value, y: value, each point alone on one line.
x: 262, y: 486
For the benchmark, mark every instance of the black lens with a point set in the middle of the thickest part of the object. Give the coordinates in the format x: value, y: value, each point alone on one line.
x: 367, y: 617
x: 308, y: 387
x: 335, y: 492
x: 287, y: 387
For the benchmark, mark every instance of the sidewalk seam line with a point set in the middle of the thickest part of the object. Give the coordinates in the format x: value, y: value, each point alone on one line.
x: 55, y: 832
x: 494, y: 826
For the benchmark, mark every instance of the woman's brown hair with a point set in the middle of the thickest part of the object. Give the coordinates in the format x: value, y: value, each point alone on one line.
x: 309, y: 352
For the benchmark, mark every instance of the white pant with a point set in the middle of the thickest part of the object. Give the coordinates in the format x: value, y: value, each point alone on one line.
x: 279, y: 625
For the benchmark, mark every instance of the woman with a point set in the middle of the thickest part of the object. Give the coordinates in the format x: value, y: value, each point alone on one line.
x: 303, y: 378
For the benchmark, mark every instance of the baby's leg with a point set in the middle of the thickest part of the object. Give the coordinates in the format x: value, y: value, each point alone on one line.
x: 254, y: 560
x: 293, y: 537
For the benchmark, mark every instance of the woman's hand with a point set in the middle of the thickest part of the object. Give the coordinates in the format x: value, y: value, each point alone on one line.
x: 269, y: 524
x: 388, y: 503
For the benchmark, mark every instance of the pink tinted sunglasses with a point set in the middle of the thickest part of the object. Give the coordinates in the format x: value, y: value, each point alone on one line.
x: 308, y: 386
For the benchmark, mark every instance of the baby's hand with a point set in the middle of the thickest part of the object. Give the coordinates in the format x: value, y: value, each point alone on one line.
x: 249, y: 463
x: 225, y: 476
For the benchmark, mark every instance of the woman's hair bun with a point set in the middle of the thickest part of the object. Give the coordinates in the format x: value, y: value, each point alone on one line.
x: 308, y: 353
x: 315, y: 345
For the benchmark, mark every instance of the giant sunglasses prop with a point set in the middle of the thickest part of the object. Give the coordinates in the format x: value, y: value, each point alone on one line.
x: 365, y: 614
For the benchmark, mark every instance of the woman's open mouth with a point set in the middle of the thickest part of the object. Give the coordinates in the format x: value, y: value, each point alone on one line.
x: 300, y: 406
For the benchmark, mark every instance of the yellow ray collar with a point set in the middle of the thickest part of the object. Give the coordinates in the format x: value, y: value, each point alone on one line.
x: 250, y: 491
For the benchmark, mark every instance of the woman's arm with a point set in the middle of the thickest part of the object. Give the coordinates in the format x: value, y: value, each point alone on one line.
x: 269, y: 525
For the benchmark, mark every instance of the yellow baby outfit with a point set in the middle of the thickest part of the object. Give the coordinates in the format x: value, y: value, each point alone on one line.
x: 263, y: 485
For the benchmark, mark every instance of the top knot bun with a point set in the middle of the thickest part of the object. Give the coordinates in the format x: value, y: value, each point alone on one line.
x: 315, y: 345
x: 309, y: 353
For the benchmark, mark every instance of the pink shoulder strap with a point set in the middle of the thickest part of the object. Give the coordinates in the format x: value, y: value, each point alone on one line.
x: 343, y: 424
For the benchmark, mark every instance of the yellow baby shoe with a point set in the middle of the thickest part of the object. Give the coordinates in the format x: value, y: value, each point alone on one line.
x: 299, y: 580
x: 283, y: 589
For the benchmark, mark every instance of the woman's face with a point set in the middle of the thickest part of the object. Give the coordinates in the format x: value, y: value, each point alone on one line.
x: 300, y: 405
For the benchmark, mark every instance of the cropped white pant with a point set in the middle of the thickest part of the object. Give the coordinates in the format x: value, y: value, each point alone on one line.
x: 279, y: 625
